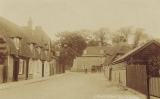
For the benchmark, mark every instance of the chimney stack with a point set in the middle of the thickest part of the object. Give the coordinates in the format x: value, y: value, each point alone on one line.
x: 30, y: 24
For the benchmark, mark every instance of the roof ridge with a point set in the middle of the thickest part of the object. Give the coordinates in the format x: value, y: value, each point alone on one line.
x: 136, y: 49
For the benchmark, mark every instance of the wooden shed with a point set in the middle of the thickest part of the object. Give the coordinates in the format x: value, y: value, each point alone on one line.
x: 143, y: 68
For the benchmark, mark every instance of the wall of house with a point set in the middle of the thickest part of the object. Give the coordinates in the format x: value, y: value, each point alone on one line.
x: 79, y: 63
x: 57, y: 66
x: 46, y: 69
x: 106, y: 71
x: 1, y: 73
x: 74, y: 67
x: 10, y: 68
x: 2, y: 70
x: 37, y: 68
x: 52, y: 67
x: 30, y: 68
x: 22, y: 69
x: 118, y: 74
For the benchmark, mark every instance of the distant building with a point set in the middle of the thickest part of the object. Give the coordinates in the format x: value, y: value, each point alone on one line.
x: 92, y: 56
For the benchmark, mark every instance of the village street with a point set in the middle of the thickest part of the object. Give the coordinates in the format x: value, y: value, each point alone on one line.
x: 71, y: 85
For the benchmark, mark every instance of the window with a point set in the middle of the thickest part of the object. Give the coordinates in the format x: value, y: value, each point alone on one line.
x: 101, y: 60
x: 47, y: 46
x: 46, y: 52
x: 84, y: 59
x: 31, y: 47
x: 101, y: 51
x: 85, y: 52
x: 21, y: 67
x: 16, y: 42
x: 84, y: 66
x: 57, y: 53
x: 39, y: 49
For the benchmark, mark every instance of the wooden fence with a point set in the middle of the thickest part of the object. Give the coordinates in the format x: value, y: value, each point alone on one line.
x: 155, y: 86
x: 136, y: 78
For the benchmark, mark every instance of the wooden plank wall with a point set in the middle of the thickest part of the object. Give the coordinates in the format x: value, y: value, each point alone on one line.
x: 137, y: 78
x: 155, y: 86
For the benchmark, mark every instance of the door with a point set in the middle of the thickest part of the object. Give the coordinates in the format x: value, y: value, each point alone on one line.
x: 110, y: 73
x: 15, y: 70
x: 42, y: 69
x: 27, y: 66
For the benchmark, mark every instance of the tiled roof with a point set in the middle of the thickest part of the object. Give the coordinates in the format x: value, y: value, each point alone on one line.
x: 95, y: 50
x: 134, y: 51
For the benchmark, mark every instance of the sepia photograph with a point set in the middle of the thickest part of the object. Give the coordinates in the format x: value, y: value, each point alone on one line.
x: 79, y: 49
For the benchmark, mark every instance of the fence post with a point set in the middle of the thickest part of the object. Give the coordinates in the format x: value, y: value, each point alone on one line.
x: 147, y: 74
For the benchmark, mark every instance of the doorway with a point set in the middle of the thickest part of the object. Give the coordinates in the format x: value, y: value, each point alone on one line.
x: 110, y: 74
x: 15, y: 70
x: 27, y: 62
x: 42, y: 69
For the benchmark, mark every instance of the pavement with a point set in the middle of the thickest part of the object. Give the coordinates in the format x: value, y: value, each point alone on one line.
x: 8, y: 85
x: 71, y: 85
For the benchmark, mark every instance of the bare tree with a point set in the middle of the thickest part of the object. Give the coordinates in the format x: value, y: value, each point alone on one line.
x: 102, y: 35
x: 125, y: 31
x: 140, y: 37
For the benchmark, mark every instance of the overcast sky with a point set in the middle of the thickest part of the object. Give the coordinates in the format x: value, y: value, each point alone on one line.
x: 60, y: 15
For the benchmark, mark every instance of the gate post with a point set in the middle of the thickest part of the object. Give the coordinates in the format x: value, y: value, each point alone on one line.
x: 147, y: 74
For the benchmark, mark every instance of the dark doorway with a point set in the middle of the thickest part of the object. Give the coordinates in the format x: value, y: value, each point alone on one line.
x: 5, y: 71
x: 63, y: 68
x: 110, y: 72
x: 27, y: 66
x: 15, y: 70
x: 42, y: 69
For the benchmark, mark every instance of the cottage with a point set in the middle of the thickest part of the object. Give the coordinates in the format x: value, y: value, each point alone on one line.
x: 43, y: 62
x: 18, y: 50
x: 27, y: 56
